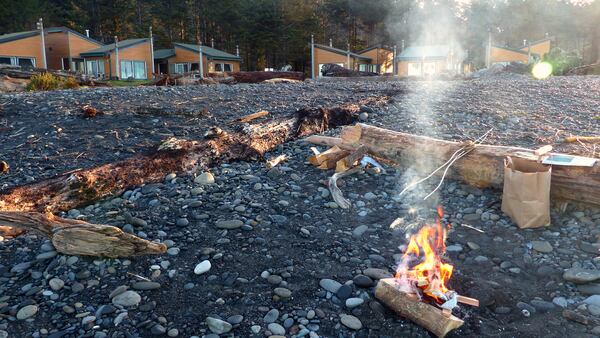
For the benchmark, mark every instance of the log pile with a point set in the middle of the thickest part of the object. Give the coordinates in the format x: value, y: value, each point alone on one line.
x: 483, y: 167
x: 334, y: 70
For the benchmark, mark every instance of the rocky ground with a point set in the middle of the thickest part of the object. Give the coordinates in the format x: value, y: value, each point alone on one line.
x: 256, y: 252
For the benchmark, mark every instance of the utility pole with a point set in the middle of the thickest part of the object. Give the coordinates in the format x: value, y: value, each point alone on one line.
x: 152, y: 50
x: 312, y: 56
x: 237, y: 50
x: 348, y: 54
x: 395, y: 62
x: 201, y: 65
x: 40, y: 26
x: 117, y: 70
x: 489, y: 50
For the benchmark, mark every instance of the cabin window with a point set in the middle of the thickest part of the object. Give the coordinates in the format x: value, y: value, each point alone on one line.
x: 18, y: 61
x: 181, y: 68
x: 133, y: 70
x: 94, y: 67
x: 77, y: 65
x: 414, y: 69
x: 429, y: 68
x: 223, y: 67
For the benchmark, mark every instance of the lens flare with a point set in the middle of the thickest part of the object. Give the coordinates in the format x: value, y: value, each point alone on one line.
x: 541, y: 70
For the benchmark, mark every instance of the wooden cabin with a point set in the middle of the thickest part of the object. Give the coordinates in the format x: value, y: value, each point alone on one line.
x: 533, y: 50
x: 22, y: 49
x: 382, y: 60
x: 326, y: 54
x: 64, y: 47
x: 133, y: 56
x: 428, y: 60
x: 184, y: 58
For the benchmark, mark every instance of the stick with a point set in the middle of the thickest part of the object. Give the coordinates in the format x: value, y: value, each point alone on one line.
x: 350, y: 160
x: 275, y: 161
x: 336, y: 193
x: 585, y: 139
x: 467, y: 300
x: 250, y: 117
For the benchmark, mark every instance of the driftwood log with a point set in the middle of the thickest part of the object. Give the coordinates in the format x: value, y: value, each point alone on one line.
x: 74, y: 237
x: 256, y: 77
x: 409, y: 306
x: 248, y: 142
x: 483, y: 167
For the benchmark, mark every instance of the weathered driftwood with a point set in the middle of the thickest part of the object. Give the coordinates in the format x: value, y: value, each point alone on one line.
x: 409, y: 306
x: 250, y: 117
x: 583, y: 139
x: 250, y: 142
x: 74, y: 237
x: 483, y: 167
x: 256, y: 77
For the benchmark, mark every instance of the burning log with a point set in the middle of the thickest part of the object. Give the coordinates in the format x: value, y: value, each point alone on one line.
x: 411, y: 307
x: 483, y: 167
x: 73, y: 237
x: 81, y: 187
x: 328, y: 158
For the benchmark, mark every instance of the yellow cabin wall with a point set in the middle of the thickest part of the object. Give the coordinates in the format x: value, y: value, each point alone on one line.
x: 382, y: 57
x: 504, y: 55
x: 28, y: 47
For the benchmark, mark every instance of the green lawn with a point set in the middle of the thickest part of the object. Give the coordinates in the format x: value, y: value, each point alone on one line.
x: 125, y: 83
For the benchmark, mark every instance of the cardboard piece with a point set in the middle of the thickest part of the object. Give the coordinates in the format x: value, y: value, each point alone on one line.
x: 526, y: 194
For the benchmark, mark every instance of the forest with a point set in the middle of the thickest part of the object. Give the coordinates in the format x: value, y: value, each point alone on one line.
x: 274, y: 33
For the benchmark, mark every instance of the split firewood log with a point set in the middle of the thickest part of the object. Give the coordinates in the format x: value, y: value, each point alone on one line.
x: 74, y: 237
x: 350, y: 160
x: 328, y: 158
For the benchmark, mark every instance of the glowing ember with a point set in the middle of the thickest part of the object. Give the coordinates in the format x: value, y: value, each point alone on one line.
x: 431, y: 274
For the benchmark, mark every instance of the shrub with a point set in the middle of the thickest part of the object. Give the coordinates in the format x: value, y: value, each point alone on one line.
x: 562, y: 61
x: 43, y: 81
x: 48, y: 81
x: 70, y: 83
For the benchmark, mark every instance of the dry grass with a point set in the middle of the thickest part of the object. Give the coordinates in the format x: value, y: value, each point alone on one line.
x: 48, y: 81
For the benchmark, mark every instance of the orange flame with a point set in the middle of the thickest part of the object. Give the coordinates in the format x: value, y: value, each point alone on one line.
x: 432, y: 273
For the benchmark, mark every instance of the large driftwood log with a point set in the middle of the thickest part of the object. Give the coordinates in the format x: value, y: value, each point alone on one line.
x: 73, y: 237
x: 409, y: 306
x: 256, y: 77
x: 248, y: 142
x: 483, y: 167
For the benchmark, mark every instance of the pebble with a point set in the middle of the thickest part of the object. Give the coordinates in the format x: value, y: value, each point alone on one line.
x: 283, y: 292
x: 56, y: 284
x: 276, y: 329
x: 158, y: 330
x: 182, y: 222
x: 145, y: 285
x: 592, y: 300
x: 354, y: 302
x: 359, y: 231
x: 560, y: 301
x: 362, y: 281
x: 351, y: 322
x: 230, y: 224
x: 127, y: 298
x: 541, y: 246
x: 218, y: 326
x: 202, y: 267
x: 205, y: 178
x: 173, y: 333
x: 27, y: 312
x: 581, y: 276
x: 330, y: 285
x: 377, y: 273
x: 271, y: 316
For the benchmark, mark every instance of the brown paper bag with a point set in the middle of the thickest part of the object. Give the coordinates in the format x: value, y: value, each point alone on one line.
x: 526, y: 195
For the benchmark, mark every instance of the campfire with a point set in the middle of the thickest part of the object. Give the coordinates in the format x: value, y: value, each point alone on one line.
x: 428, y: 277
x: 419, y: 289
